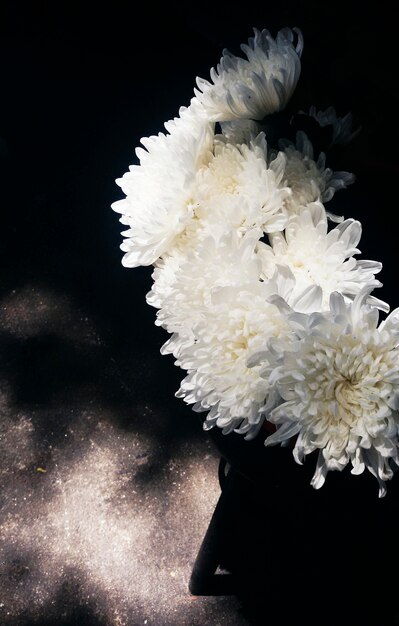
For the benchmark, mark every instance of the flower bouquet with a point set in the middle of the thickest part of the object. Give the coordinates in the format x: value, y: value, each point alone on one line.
x: 269, y: 309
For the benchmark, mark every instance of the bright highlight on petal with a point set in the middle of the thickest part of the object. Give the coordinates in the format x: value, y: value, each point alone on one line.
x: 159, y: 202
x: 242, y: 187
x: 320, y: 257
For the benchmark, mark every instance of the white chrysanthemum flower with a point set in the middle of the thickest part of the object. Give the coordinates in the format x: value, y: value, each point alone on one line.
x: 159, y: 201
x: 338, y: 378
x: 318, y: 257
x: 218, y: 377
x: 240, y: 188
x: 236, y: 325
x: 207, y: 268
x: 309, y: 180
x: 257, y: 86
x: 202, y: 240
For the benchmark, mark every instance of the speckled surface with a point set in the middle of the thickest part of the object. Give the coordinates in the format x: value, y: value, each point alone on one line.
x: 101, y: 517
x: 107, y: 481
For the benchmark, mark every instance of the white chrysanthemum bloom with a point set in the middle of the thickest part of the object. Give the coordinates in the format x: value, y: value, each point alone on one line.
x: 211, y: 265
x: 318, y: 257
x: 309, y: 180
x: 257, y: 86
x: 338, y: 378
x: 235, y: 326
x: 218, y: 378
x: 159, y: 192
x: 241, y: 188
x: 200, y: 237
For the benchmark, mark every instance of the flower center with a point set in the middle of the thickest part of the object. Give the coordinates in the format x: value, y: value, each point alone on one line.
x: 347, y: 395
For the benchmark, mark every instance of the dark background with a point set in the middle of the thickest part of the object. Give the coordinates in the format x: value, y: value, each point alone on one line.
x: 81, y: 84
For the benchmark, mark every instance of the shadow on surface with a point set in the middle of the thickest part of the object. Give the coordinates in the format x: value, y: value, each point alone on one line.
x: 292, y: 553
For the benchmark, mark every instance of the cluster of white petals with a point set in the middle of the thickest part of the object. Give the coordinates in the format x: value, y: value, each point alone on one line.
x: 268, y: 309
x: 318, y: 256
x: 159, y: 201
x: 338, y: 380
x: 241, y: 189
x: 256, y: 86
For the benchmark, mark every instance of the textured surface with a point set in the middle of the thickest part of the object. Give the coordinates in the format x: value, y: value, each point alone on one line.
x: 102, y: 510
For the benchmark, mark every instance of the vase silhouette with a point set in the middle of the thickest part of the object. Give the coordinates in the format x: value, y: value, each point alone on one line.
x: 294, y: 554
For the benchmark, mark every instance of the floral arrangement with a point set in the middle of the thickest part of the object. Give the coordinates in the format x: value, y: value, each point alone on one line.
x: 269, y: 311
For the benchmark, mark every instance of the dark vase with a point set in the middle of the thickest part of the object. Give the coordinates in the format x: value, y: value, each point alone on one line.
x: 299, y: 555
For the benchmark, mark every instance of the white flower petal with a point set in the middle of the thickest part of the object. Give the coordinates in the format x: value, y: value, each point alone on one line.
x: 320, y: 258
x: 337, y: 372
x: 158, y: 203
x: 257, y: 86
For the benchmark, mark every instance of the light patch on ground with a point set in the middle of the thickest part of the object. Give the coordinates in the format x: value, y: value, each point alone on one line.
x: 32, y: 310
x: 94, y: 516
x: 128, y: 549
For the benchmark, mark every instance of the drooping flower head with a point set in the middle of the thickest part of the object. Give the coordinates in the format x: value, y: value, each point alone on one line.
x: 257, y: 86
